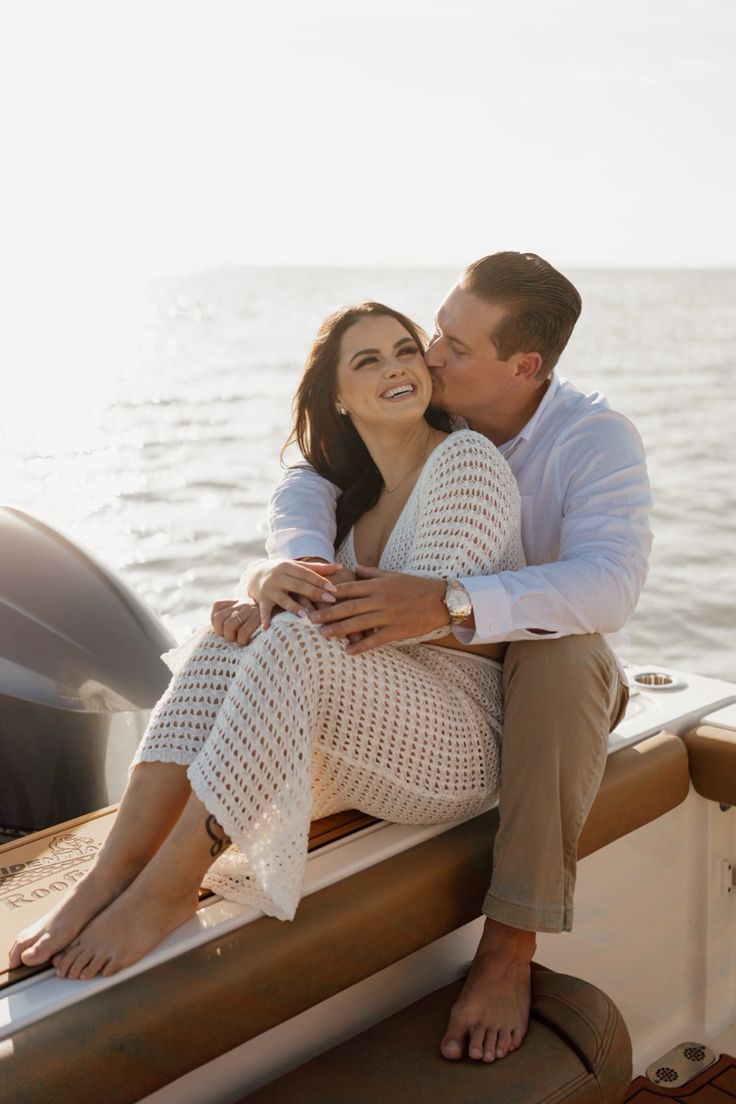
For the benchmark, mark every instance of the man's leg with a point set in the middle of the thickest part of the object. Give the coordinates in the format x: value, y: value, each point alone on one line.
x: 562, y: 697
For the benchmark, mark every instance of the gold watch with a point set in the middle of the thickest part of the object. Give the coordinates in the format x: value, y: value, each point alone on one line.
x: 457, y: 600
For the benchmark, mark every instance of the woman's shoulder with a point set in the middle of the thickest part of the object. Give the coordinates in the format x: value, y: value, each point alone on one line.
x: 467, y: 445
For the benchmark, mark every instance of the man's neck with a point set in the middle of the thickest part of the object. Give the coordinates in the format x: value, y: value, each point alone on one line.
x: 501, y: 426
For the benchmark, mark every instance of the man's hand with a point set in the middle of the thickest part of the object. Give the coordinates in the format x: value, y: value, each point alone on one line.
x: 386, y: 606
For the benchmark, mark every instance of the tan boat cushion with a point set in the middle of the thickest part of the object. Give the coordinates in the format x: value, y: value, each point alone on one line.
x: 712, y: 754
x: 577, y: 1050
x: 640, y: 783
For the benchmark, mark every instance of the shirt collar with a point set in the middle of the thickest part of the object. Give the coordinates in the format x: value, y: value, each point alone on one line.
x: 527, y: 431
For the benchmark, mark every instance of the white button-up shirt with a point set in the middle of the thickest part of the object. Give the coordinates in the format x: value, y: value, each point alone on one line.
x: 585, y: 503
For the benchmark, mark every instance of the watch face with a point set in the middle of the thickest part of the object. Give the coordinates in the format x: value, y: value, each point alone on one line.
x: 458, y: 602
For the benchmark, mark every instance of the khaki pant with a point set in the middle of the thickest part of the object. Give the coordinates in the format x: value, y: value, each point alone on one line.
x: 562, y: 698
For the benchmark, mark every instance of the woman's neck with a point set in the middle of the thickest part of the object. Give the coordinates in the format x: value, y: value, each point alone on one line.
x: 397, y: 452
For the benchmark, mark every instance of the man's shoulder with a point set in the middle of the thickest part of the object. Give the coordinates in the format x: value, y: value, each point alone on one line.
x: 586, y: 424
x: 587, y: 410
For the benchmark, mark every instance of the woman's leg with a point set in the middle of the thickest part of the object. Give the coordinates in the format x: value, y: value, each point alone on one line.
x: 157, y: 792
x: 162, y: 896
x: 153, y: 800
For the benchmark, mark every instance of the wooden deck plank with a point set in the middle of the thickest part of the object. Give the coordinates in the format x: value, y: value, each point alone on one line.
x: 716, y: 1085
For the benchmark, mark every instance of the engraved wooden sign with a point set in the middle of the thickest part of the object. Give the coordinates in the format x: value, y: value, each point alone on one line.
x: 37, y: 871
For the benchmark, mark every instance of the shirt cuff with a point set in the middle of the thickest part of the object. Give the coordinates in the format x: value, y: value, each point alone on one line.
x: 491, y: 609
x: 297, y: 545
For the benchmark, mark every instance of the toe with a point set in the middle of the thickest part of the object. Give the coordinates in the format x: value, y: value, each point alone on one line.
x: 94, y: 967
x: 503, y: 1042
x: 451, y: 1048
x: 14, y: 959
x: 112, y: 966
x: 37, y: 952
x: 517, y: 1037
x: 475, y: 1046
x: 489, y: 1045
x: 83, y: 958
x: 65, y: 960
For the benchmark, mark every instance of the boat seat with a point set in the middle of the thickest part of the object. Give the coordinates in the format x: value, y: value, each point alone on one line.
x: 711, y: 750
x: 577, y: 1051
x: 197, y: 1006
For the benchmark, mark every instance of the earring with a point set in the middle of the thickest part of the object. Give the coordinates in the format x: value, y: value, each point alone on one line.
x: 341, y: 410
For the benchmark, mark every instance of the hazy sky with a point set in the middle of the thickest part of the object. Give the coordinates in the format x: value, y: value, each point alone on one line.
x: 172, y: 134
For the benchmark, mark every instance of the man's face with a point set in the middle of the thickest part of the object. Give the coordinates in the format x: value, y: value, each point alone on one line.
x: 469, y: 378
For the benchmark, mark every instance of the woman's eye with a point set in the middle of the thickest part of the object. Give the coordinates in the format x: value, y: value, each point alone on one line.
x: 366, y: 360
x: 410, y: 350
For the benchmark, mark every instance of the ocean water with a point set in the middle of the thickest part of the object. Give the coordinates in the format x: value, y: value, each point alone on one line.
x: 157, y: 444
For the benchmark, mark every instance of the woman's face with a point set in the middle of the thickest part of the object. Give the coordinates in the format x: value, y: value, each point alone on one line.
x: 381, y: 375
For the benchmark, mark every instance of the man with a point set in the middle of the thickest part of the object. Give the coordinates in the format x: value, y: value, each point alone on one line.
x: 585, y: 502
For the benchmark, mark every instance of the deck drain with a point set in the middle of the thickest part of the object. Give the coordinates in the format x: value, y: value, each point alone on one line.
x: 680, y: 1065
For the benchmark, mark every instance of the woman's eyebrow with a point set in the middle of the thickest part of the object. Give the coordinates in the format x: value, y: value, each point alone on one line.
x: 377, y: 352
x: 362, y: 352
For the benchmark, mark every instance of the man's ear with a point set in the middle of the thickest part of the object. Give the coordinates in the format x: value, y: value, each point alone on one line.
x: 528, y: 367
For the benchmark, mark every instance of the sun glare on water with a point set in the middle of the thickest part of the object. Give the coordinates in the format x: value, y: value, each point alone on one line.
x: 74, y: 321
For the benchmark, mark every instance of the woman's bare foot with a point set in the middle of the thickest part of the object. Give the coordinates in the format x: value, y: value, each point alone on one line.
x: 491, y: 1015
x: 126, y: 930
x: 38, y: 943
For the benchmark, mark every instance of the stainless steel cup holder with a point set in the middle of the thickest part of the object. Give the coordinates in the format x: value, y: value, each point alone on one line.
x: 656, y: 680
x: 653, y: 678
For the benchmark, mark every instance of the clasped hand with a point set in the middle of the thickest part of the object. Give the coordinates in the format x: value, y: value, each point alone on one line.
x: 275, y: 585
x: 367, y: 609
x: 383, y: 607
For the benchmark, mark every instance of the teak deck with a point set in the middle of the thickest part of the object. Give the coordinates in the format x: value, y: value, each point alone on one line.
x: 716, y: 1085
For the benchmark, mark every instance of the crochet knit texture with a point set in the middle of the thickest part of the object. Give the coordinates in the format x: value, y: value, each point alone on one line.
x: 291, y: 728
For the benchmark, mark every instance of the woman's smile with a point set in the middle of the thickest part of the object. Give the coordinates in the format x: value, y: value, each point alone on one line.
x: 399, y: 391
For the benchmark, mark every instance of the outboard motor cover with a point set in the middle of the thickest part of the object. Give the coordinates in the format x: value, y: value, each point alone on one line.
x: 80, y: 669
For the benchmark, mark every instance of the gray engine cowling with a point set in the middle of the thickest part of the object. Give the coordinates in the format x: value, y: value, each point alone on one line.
x: 80, y: 669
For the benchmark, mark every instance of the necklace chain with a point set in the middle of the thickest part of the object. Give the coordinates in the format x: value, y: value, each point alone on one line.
x: 423, y: 457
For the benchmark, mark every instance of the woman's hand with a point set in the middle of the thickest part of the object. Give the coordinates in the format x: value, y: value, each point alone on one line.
x: 291, y: 585
x: 235, y: 621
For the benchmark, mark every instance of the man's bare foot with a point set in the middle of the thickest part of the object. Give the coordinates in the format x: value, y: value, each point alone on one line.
x: 38, y: 943
x: 126, y: 930
x: 491, y: 1015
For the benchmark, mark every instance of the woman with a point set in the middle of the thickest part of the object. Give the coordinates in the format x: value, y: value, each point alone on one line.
x: 250, y: 743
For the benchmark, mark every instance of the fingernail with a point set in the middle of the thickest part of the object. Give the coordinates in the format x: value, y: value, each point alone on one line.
x: 302, y: 613
x: 328, y: 585
x: 327, y: 597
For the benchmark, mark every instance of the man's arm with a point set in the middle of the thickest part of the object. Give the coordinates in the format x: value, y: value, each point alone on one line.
x: 301, y: 516
x: 605, y: 539
x: 593, y: 586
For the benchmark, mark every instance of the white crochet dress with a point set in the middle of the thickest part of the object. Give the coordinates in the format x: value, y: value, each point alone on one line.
x: 291, y: 728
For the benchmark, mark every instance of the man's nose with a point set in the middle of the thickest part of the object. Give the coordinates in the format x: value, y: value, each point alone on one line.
x: 435, y: 354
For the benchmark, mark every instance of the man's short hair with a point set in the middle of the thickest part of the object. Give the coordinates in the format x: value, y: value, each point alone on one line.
x: 543, y: 306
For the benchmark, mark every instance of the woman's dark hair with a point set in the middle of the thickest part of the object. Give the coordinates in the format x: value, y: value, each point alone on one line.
x: 328, y: 440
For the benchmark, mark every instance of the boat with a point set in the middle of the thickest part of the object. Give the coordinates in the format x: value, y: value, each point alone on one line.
x: 235, y: 1005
